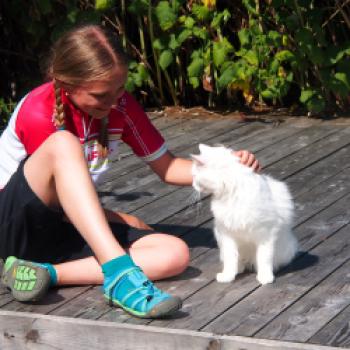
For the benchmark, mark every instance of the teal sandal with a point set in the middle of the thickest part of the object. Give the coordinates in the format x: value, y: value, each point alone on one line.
x: 136, y: 294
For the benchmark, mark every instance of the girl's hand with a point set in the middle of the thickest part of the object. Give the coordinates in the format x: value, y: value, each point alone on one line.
x: 247, y: 158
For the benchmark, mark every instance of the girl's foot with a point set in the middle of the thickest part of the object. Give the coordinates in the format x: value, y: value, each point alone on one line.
x: 131, y: 290
x: 28, y: 281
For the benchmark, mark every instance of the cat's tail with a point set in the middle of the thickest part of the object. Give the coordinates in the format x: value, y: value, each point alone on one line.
x: 285, y: 250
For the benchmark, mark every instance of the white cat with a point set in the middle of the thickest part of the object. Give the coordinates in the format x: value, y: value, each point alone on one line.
x: 252, y: 214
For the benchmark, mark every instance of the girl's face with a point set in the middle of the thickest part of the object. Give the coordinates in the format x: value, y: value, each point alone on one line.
x: 97, y: 97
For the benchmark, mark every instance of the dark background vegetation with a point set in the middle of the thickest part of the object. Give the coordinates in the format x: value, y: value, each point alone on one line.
x: 247, y: 54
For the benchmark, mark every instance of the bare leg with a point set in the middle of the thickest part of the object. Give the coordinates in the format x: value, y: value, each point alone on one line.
x: 172, y: 256
x: 58, y: 174
x: 171, y: 259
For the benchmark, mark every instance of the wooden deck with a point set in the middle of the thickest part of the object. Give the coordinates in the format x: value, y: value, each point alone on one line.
x: 308, y: 306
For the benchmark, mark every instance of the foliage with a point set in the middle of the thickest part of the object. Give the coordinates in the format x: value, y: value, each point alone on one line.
x: 265, y: 52
x: 6, y: 109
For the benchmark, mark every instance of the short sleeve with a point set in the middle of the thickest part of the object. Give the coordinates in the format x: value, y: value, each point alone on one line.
x: 34, y: 120
x: 139, y: 133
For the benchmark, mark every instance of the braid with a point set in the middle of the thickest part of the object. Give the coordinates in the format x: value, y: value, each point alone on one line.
x: 103, y: 138
x: 59, y: 115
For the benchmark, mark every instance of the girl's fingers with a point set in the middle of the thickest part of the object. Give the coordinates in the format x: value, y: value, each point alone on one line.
x: 247, y: 158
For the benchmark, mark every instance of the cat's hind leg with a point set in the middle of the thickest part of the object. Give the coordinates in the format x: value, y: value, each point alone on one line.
x: 229, y: 258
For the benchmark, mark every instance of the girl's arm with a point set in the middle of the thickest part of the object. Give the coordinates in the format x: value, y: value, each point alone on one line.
x: 173, y: 170
x: 178, y: 171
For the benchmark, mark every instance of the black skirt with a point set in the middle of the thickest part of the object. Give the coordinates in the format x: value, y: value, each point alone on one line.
x: 30, y: 230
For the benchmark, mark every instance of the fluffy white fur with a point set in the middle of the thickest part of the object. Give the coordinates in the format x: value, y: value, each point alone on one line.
x: 252, y: 214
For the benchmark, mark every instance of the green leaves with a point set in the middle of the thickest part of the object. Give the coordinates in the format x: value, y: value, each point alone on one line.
x: 221, y: 50
x: 137, y: 7
x: 285, y: 55
x: 313, y: 100
x: 244, y: 37
x: 201, y: 12
x: 45, y: 6
x: 137, y: 76
x: 166, y: 15
x: 339, y: 83
x: 195, y: 69
x: 103, y: 5
x: 165, y: 59
x: 260, y: 48
x: 220, y: 19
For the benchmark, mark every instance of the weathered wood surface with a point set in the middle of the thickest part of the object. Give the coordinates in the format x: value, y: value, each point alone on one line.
x: 35, y: 331
x: 308, y: 304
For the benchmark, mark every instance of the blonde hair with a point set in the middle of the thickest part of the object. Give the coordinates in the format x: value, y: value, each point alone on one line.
x: 84, y: 54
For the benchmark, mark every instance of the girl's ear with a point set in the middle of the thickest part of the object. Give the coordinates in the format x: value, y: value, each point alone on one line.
x: 67, y: 88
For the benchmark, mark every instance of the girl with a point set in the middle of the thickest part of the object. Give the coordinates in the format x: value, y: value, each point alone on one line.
x: 53, y: 230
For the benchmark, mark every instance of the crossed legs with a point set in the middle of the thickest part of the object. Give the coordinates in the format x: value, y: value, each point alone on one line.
x: 58, y: 174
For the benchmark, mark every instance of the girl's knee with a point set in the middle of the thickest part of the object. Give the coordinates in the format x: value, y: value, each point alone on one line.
x: 64, y: 138
x: 177, y: 257
x: 63, y: 143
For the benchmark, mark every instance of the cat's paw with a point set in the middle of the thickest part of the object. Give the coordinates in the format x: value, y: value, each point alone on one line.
x: 224, y: 277
x: 265, y: 278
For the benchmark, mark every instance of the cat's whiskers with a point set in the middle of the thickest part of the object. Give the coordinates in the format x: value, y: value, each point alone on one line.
x: 194, y: 203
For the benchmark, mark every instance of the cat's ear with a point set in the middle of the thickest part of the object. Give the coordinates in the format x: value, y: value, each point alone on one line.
x: 197, y: 158
x: 204, y: 149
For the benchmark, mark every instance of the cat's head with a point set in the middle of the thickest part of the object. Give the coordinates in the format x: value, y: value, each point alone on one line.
x: 214, y: 169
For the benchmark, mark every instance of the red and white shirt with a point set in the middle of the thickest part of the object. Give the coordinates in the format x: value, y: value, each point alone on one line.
x: 32, y: 122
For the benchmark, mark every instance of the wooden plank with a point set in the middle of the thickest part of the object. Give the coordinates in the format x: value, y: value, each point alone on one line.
x: 281, y: 130
x: 321, y: 225
x: 309, y: 155
x: 322, y: 196
x: 314, y: 174
x: 34, y: 331
x: 263, y: 138
x: 336, y: 332
x: 5, y: 296
x: 89, y: 305
x: 314, y: 310
x: 54, y: 299
x: 298, y: 142
x: 163, y: 123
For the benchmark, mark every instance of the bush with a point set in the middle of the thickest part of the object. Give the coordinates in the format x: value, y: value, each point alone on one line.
x: 275, y: 52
